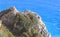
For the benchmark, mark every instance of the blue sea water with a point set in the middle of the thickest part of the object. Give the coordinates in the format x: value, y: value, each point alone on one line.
x: 49, y: 10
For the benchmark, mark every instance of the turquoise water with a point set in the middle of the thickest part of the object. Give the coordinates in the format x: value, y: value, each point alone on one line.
x: 49, y: 10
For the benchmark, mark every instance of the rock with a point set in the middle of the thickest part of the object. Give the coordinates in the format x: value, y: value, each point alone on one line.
x: 0, y: 23
x: 26, y: 24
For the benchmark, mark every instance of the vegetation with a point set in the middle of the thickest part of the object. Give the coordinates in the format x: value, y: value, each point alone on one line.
x: 4, y: 32
x: 24, y: 26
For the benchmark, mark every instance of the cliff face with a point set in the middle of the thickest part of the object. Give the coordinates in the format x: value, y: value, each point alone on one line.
x: 21, y: 24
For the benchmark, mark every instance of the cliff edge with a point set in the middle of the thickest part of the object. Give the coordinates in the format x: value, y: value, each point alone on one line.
x: 14, y: 23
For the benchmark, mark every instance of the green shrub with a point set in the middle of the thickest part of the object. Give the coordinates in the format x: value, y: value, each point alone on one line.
x: 4, y: 32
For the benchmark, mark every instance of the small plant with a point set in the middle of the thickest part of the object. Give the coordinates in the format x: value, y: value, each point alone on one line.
x: 4, y: 32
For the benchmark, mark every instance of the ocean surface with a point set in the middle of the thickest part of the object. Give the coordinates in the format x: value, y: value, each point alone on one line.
x: 49, y: 10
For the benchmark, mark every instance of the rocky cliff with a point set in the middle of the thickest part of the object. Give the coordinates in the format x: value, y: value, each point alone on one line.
x: 21, y: 24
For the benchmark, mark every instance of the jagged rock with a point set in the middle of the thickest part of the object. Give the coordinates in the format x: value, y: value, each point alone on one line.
x: 26, y: 24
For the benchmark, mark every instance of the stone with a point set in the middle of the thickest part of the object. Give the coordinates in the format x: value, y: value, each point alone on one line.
x: 26, y: 24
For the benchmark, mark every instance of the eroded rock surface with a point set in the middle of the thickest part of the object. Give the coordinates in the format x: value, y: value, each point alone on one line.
x: 22, y: 24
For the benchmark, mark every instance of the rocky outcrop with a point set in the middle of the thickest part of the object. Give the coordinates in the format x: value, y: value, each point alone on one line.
x: 23, y: 24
